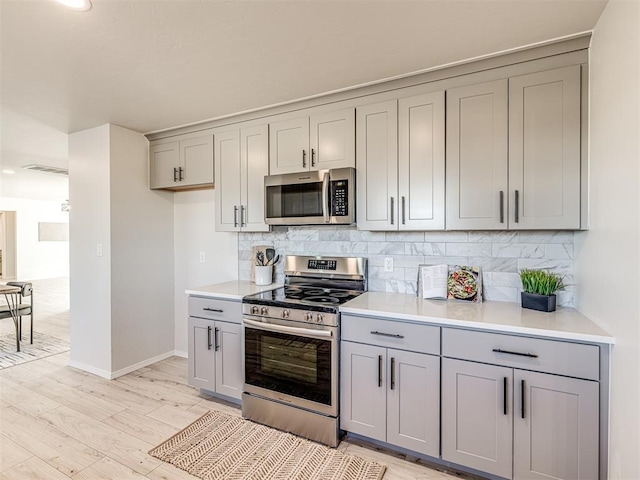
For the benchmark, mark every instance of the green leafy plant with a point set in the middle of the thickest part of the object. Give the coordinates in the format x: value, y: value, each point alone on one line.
x: 541, y: 282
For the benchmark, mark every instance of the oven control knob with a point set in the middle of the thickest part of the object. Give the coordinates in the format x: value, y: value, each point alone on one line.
x: 264, y: 310
x: 308, y: 317
x: 285, y: 313
x: 255, y: 310
x: 319, y: 318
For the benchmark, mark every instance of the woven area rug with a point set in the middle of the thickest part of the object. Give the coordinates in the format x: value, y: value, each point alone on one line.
x: 223, y: 447
x: 43, y: 346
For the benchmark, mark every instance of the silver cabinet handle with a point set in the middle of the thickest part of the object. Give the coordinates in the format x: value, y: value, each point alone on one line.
x: 180, y: 171
x: 208, y: 338
x: 523, y: 391
x: 504, y: 396
x: 517, y: 207
x: 243, y: 223
x: 175, y: 174
x: 216, y: 344
x: 304, y: 158
x: 404, y: 220
x: 219, y: 310
x: 382, y: 334
x: 391, y: 207
x: 235, y: 215
x: 501, y: 206
x: 313, y: 157
x: 379, y: 370
x: 511, y: 352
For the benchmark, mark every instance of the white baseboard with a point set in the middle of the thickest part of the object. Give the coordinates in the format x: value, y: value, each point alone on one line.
x: 144, y: 363
x: 180, y: 353
x: 91, y: 369
x: 122, y: 371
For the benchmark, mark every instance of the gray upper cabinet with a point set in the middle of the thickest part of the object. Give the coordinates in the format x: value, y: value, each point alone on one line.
x: 183, y: 162
x: 477, y: 157
x: 544, y: 150
x: 241, y: 165
x: 513, y: 153
x: 421, y: 162
x: 315, y: 142
x: 377, y: 164
x: 400, y: 161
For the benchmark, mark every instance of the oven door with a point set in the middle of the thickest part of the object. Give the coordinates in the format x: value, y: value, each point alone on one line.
x: 290, y: 364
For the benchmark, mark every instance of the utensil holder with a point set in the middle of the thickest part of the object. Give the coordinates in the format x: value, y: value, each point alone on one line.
x: 263, y: 274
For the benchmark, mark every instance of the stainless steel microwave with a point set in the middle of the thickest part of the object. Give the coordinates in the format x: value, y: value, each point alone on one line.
x: 321, y: 197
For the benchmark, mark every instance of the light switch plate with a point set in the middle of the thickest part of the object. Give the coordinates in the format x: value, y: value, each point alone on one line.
x: 388, y: 264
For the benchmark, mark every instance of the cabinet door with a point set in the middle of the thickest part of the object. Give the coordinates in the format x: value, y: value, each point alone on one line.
x: 477, y: 416
x: 228, y: 351
x: 254, y: 154
x: 377, y: 164
x: 556, y: 433
x: 544, y: 150
x: 421, y: 162
x: 201, y: 353
x: 164, y: 160
x: 289, y: 146
x: 363, y: 390
x: 333, y: 139
x: 477, y: 157
x: 196, y: 160
x: 413, y: 401
x: 227, y: 190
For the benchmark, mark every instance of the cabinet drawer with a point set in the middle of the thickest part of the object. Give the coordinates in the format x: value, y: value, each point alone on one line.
x: 215, y: 309
x: 549, y: 356
x: 391, y: 333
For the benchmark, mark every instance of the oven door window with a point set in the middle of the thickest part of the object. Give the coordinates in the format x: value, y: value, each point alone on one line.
x: 296, y: 200
x: 289, y: 364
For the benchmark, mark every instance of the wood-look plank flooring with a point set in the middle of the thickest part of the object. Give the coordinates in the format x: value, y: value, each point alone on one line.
x: 57, y: 422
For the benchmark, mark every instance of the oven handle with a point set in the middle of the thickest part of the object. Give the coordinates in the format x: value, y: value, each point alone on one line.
x: 284, y: 329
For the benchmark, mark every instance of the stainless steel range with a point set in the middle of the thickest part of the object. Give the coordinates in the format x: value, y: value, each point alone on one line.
x: 291, y: 339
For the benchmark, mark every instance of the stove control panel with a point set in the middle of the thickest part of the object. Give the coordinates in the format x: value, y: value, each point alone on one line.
x: 292, y: 314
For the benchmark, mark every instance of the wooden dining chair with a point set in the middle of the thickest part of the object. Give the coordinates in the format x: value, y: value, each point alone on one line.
x: 26, y: 290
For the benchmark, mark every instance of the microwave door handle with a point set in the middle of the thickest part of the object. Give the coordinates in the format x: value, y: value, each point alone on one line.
x: 308, y: 332
x: 325, y: 197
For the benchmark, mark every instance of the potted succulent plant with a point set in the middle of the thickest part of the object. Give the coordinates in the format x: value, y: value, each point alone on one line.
x: 539, y: 289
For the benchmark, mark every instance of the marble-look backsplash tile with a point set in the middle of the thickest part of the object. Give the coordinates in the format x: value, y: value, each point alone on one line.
x: 500, y: 254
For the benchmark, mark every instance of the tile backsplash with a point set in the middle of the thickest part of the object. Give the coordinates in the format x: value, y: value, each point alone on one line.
x: 500, y: 254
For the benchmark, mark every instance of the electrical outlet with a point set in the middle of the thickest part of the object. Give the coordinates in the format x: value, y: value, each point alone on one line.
x: 388, y: 264
x: 98, y: 249
x: 202, y: 257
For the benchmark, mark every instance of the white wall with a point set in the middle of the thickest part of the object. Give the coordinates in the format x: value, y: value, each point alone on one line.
x: 194, y: 232
x: 142, y: 322
x: 90, y: 275
x: 608, y: 255
x: 37, y: 259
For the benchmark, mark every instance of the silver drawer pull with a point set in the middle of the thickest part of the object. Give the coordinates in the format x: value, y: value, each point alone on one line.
x: 520, y: 354
x: 394, y: 335
x: 213, y: 309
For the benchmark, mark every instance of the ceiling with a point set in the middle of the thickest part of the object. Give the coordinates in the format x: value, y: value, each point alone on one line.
x: 150, y: 65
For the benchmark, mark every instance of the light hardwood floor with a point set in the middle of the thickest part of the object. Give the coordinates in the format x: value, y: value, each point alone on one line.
x: 57, y: 422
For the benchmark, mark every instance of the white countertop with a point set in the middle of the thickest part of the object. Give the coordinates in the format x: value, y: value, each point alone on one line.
x: 233, y: 290
x: 564, y: 323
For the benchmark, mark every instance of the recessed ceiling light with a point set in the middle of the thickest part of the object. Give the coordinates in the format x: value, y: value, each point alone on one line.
x: 79, y: 5
x: 8, y: 172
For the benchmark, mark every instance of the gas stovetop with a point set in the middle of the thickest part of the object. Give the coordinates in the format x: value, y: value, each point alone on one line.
x: 315, y: 287
x: 307, y: 297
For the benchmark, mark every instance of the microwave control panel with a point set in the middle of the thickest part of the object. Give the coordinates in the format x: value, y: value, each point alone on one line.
x: 339, y: 198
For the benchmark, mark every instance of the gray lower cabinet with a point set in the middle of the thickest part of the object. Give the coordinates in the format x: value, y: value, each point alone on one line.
x: 517, y: 423
x: 215, y: 349
x: 389, y: 394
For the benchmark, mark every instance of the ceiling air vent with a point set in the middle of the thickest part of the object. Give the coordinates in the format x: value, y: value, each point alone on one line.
x: 47, y: 169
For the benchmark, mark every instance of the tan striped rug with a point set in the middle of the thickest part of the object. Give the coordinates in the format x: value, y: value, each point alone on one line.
x: 223, y: 447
